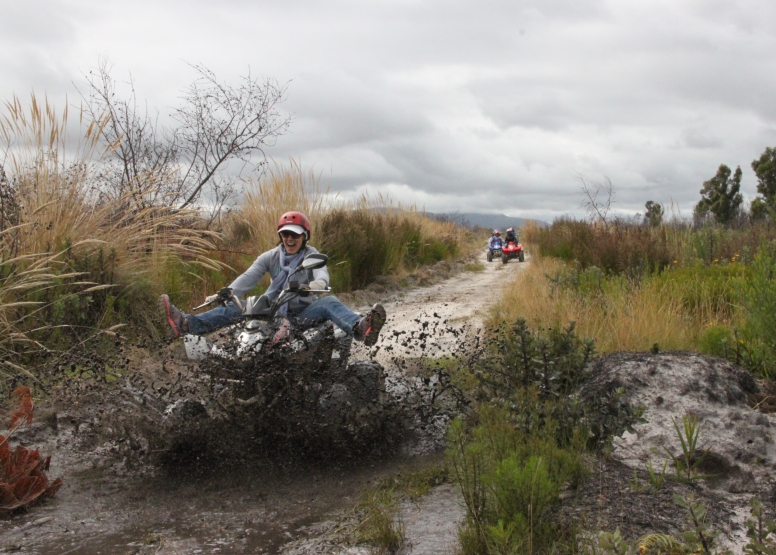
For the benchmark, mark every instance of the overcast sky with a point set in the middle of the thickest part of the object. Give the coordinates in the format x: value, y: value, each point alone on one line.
x: 453, y: 105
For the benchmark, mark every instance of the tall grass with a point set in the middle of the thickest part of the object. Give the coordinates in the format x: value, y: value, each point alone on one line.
x: 625, y: 247
x: 716, y: 296
x: 673, y: 308
x: 367, y: 239
x: 70, y: 255
x: 282, y: 189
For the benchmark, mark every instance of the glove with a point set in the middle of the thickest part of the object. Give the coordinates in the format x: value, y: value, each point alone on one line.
x: 317, y: 285
x: 211, y: 298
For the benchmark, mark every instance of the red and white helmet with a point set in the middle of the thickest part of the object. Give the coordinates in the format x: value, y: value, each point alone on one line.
x: 296, y: 222
x: 496, y: 232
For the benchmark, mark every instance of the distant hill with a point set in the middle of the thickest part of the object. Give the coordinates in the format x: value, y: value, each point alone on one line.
x: 490, y: 221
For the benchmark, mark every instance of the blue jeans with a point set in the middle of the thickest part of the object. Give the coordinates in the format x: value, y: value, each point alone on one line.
x: 327, y: 308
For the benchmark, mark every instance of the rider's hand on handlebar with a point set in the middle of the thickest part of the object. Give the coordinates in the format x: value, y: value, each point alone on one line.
x: 317, y: 285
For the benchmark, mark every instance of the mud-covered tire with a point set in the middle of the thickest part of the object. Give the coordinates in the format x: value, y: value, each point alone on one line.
x: 504, y: 258
x: 522, y: 256
x: 490, y: 256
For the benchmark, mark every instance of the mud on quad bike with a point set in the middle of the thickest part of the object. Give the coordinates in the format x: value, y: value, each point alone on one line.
x: 300, y: 390
x: 512, y: 250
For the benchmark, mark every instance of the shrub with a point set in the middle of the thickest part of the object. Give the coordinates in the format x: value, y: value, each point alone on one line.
x: 718, y: 341
x: 364, y: 243
x: 759, y: 293
x: 509, y: 480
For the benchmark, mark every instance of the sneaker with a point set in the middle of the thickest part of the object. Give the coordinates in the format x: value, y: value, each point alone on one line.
x: 174, y: 318
x: 369, y: 327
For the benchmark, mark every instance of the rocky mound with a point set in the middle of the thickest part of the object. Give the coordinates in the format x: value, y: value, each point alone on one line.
x: 739, y: 438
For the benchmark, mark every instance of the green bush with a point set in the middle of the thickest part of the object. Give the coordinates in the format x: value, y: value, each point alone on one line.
x: 759, y: 332
x: 626, y: 247
x: 510, y: 480
x: 718, y: 341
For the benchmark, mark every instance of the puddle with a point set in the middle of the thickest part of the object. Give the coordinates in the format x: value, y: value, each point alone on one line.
x: 254, y: 509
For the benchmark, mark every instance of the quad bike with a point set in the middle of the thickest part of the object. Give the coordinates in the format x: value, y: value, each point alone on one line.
x: 512, y: 250
x: 493, y: 252
x: 299, y: 390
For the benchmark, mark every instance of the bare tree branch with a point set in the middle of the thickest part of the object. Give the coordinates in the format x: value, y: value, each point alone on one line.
x: 216, y: 124
x: 597, y: 199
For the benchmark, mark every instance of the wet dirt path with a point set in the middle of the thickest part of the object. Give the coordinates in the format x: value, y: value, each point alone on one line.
x: 447, y: 309
x: 250, y: 507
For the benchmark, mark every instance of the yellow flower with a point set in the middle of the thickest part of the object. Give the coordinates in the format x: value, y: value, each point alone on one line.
x: 716, y: 260
x: 642, y: 549
x: 674, y: 261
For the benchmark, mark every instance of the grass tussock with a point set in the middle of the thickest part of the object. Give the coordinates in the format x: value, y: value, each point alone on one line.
x: 74, y: 260
x: 379, y: 526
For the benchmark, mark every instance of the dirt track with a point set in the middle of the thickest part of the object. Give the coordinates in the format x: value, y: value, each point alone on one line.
x: 447, y: 308
x: 244, y: 507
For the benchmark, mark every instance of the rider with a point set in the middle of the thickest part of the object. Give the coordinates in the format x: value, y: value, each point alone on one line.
x: 511, y: 236
x: 280, y: 262
x: 495, y: 241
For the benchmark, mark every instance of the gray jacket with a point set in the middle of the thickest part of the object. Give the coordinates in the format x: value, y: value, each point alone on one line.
x: 270, y: 262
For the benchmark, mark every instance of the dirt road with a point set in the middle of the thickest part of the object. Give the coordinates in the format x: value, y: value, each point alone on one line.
x: 441, y: 313
x: 243, y: 506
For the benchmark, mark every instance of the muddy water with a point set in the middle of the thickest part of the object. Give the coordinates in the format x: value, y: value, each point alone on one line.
x: 254, y: 509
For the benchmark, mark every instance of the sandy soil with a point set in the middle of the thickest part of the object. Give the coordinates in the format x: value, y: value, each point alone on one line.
x: 241, y: 506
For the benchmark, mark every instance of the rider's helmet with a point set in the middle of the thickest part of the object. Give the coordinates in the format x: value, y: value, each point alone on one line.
x: 295, y: 222
x: 496, y: 232
x: 510, y: 230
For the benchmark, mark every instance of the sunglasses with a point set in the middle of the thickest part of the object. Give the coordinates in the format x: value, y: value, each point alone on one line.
x: 289, y: 235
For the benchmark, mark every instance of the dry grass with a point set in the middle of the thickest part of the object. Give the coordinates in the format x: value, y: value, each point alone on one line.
x: 283, y: 189
x: 620, y: 313
x: 63, y: 236
x: 365, y: 238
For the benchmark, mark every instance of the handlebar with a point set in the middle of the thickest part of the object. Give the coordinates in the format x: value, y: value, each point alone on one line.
x: 222, y: 297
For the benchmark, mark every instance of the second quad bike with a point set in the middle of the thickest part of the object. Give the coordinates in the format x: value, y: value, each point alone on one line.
x: 512, y: 250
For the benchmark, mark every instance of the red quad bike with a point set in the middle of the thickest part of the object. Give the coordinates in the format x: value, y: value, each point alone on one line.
x: 512, y: 250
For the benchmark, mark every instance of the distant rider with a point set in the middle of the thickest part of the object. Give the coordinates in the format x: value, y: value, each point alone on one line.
x: 511, y: 235
x: 495, y: 241
x: 294, y: 232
